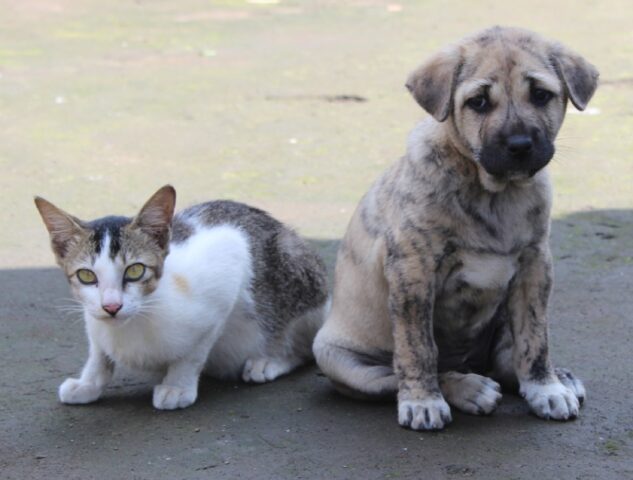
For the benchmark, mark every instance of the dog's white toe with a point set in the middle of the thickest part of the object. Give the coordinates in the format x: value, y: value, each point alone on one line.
x: 428, y: 414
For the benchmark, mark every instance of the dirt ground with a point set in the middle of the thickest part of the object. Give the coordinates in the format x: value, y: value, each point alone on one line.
x: 295, y: 107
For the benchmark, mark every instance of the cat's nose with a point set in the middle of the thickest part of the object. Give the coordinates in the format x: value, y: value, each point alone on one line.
x: 112, y: 308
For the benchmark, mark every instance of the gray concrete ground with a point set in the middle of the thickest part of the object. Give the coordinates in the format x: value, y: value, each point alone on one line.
x: 295, y: 107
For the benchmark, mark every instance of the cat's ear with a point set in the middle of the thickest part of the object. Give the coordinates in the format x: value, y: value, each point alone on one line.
x: 154, y: 219
x: 62, y: 227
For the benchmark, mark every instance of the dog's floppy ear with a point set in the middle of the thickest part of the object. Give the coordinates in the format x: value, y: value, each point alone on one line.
x: 579, y: 77
x: 432, y: 84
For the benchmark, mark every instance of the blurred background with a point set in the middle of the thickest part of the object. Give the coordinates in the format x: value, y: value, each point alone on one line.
x: 294, y: 106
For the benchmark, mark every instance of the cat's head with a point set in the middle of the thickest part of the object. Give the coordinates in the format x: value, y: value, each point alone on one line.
x: 112, y: 263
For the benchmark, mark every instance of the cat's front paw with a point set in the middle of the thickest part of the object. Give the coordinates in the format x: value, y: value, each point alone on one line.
x: 551, y: 400
x: 432, y: 413
x: 75, y: 392
x: 168, y: 397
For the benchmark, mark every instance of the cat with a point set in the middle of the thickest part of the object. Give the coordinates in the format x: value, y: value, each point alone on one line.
x: 221, y: 288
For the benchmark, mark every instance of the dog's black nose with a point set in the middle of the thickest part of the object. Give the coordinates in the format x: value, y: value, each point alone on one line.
x: 519, y: 144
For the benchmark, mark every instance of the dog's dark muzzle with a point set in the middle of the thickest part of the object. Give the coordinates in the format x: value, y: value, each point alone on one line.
x: 519, y: 153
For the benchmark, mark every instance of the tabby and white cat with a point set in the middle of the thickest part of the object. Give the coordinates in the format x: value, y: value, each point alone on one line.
x: 220, y: 287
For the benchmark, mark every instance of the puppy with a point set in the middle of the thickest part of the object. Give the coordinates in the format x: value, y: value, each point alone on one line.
x: 444, y: 274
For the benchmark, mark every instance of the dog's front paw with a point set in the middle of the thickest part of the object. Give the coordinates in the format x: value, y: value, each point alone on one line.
x: 551, y: 400
x: 470, y: 393
x: 169, y: 397
x: 429, y: 414
x: 75, y: 392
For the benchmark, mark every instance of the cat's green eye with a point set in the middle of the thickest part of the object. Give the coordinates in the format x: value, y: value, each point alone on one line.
x: 134, y: 272
x: 87, y: 277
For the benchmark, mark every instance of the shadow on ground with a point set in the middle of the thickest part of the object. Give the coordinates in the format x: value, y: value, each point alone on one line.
x: 298, y: 427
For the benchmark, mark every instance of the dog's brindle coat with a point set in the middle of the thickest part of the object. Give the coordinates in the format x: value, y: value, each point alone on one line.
x: 445, y: 272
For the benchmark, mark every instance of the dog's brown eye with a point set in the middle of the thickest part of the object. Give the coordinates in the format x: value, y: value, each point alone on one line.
x: 479, y: 104
x: 540, y: 97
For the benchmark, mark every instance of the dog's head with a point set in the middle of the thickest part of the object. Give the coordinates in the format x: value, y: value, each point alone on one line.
x: 504, y: 91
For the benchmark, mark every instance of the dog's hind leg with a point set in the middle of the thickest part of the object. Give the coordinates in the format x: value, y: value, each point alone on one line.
x: 370, y: 376
x: 502, y: 369
x: 356, y: 374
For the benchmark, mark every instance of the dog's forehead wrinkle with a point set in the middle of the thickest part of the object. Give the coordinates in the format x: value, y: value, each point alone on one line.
x: 476, y: 86
x: 544, y: 80
x: 542, y: 59
x: 503, y: 57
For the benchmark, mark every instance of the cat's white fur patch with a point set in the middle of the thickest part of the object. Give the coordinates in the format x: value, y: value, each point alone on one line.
x: 217, y: 267
x: 200, y: 317
x: 75, y: 392
x: 169, y: 397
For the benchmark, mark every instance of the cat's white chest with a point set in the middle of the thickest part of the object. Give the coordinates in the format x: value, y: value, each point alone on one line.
x: 140, y: 343
x: 204, y: 282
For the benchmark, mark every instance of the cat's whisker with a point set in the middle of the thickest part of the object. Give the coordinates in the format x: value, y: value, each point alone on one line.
x: 143, y: 316
x: 69, y: 306
x: 150, y: 302
x: 150, y: 307
x: 158, y: 330
x: 66, y: 301
x: 70, y: 309
x: 74, y: 316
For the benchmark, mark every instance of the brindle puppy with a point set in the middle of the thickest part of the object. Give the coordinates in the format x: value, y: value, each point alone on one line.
x: 445, y: 271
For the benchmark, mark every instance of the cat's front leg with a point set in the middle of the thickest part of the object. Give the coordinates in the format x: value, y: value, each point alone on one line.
x: 96, y: 374
x: 179, y: 388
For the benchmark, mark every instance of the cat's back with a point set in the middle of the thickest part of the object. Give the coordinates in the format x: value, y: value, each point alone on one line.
x: 288, y: 278
x: 254, y: 222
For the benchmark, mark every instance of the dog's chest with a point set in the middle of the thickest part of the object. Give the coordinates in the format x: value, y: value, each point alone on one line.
x: 473, y: 288
x: 485, y: 271
x: 466, y: 305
